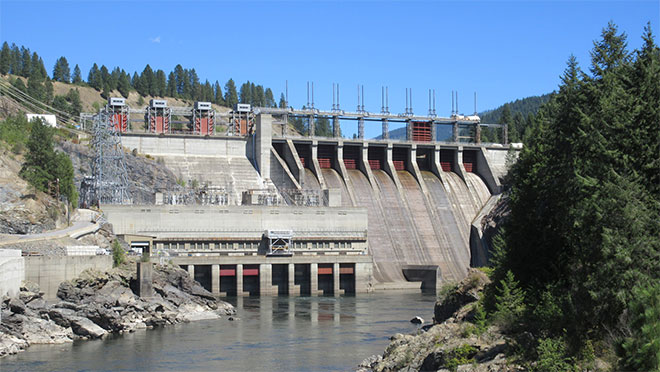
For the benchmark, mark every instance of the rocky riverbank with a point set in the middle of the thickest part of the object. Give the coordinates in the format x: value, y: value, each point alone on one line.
x: 452, y: 342
x: 97, y: 304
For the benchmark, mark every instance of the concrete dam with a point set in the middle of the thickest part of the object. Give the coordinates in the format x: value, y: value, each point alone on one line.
x: 359, y: 214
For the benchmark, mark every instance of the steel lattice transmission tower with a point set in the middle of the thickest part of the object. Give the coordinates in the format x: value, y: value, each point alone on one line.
x: 109, y: 181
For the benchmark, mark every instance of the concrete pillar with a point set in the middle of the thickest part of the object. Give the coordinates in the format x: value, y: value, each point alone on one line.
x: 363, y: 277
x: 285, y: 127
x: 408, y: 130
x: 434, y: 132
x: 505, y: 134
x: 239, y: 280
x: 191, y: 271
x: 386, y: 129
x: 215, y: 279
x: 145, y: 279
x: 454, y: 132
x: 263, y: 143
x: 314, y: 279
x: 265, y: 279
x: 336, y: 128
x: 477, y: 133
x: 360, y: 127
x: 293, y: 288
x: 312, y: 126
x: 335, y: 279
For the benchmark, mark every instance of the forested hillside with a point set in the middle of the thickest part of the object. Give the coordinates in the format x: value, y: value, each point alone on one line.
x: 517, y: 114
x: 577, y: 266
x: 182, y: 83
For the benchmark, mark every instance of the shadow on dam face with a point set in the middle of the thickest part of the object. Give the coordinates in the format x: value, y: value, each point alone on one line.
x: 429, y: 275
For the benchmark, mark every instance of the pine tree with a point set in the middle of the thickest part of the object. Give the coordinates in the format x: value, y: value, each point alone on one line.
x: 5, y: 59
x: 171, y: 85
x: 231, y: 96
x: 15, y: 60
x: 510, y: 301
x: 180, y: 77
x: 160, y: 84
x: 282, y: 101
x: 641, y: 350
x: 106, y: 79
x: 77, y: 76
x: 73, y: 97
x: 195, y: 86
x: 124, y: 84
x: 269, y: 100
x: 61, y: 71
x: 39, y: 160
x: 246, y: 93
x: 217, y: 92
x: 25, y: 63
x: 94, y: 78
x: 146, y: 82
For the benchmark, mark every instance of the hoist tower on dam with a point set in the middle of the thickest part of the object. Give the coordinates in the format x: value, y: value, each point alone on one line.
x: 362, y: 214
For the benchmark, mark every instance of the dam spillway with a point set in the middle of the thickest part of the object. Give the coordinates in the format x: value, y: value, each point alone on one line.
x: 418, y: 199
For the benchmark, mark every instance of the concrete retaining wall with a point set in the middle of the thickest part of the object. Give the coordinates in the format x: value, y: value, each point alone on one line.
x: 230, y: 221
x: 11, y: 272
x: 181, y: 145
x: 50, y: 271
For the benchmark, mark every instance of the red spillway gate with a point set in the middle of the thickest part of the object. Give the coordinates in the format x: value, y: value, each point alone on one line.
x: 470, y: 161
x: 351, y: 157
x: 446, y: 160
x: 325, y: 155
x: 421, y: 131
x: 399, y: 158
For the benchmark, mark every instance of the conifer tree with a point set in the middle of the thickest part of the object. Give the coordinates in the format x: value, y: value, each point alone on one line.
x: 217, y: 91
x: 77, y: 76
x: 94, y: 78
x: 5, y: 59
x: 269, y: 99
x: 61, y: 71
x: 124, y: 84
x: 171, y: 85
x: 25, y: 63
x: 282, y: 101
x: 231, y: 96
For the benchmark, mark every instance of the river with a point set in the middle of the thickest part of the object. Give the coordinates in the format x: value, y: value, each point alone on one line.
x: 272, y: 334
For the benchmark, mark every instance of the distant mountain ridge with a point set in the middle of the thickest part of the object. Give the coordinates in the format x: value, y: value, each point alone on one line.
x: 524, y: 106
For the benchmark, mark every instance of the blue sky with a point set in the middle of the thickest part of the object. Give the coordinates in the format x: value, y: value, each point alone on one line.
x: 503, y: 50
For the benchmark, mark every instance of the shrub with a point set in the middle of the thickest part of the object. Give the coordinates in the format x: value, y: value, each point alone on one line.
x: 118, y: 254
x: 641, y: 350
x: 463, y: 354
x: 552, y: 357
x: 510, y: 301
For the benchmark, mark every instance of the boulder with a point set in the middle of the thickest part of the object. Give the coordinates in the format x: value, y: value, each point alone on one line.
x: 61, y: 317
x: 86, y: 328
x: 417, y: 320
x: 16, y: 306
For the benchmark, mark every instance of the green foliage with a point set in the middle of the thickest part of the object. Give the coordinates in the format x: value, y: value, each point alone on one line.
x: 45, y: 169
x: 480, y: 320
x: 463, y: 354
x: 118, y: 254
x: 15, y: 130
x: 61, y: 71
x: 641, y: 350
x: 510, y: 302
x: 552, y: 357
x: 584, y: 225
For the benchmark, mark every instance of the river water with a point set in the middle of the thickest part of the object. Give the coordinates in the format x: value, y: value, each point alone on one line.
x: 273, y: 334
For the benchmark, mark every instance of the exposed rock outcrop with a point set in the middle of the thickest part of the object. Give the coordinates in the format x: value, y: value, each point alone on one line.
x: 451, y: 343
x: 146, y: 174
x: 97, y: 304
